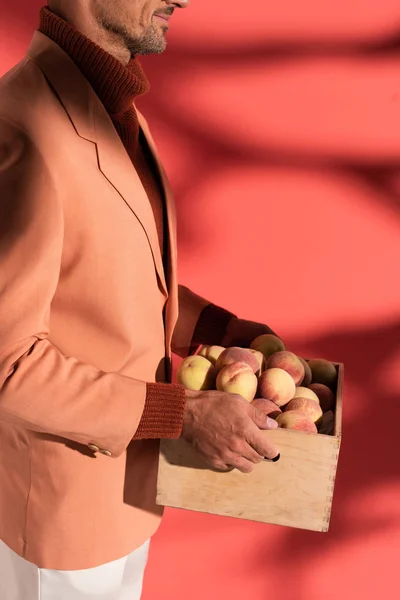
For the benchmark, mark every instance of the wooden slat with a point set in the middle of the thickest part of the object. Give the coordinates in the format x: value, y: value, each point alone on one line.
x: 339, y: 402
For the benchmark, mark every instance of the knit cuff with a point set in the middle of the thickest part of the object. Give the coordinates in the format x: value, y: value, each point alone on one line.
x: 211, y: 326
x: 162, y: 417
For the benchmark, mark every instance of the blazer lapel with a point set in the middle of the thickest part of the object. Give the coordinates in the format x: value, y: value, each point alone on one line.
x: 92, y: 122
x: 172, y: 304
x: 117, y: 168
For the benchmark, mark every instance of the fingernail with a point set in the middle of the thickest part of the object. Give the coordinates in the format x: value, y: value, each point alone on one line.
x: 277, y: 457
x: 272, y: 424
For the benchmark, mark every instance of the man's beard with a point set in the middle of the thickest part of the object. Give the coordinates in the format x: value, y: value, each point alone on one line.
x: 150, y: 42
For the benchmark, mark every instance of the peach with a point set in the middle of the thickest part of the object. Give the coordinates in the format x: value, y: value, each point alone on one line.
x: 288, y: 362
x: 308, y: 407
x: 327, y: 424
x: 196, y: 373
x: 267, y: 407
x: 297, y: 421
x: 324, y: 372
x: 238, y: 378
x: 235, y: 354
x: 261, y: 360
x: 211, y: 353
x: 267, y: 344
x: 325, y: 395
x: 303, y: 392
x: 307, y: 372
x: 276, y: 385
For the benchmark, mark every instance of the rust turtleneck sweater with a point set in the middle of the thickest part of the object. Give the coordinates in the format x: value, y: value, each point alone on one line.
x: 117, y: 86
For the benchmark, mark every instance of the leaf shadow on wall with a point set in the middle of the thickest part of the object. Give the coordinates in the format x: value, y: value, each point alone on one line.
x: 213, y: 153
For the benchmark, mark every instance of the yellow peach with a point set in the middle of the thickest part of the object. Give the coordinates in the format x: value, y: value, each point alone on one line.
x: 304, y: 392
x: 288, y: 362
x: 235, y: 354
x: 296, y: 421
x: 238, y: 378
x: 261, y: 360
x: 196, y: 373
x: 309, y: 407
x: 211, y: 353
x: 276, y: 385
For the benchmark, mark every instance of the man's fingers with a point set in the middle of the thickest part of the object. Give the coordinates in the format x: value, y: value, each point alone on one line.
x: 243, y: 465
x: 275, y: 459
x: 262, y: 445
x: 252, y: 455
x: 259, y: 440
x: 240, y: 463
x: 219, y: 466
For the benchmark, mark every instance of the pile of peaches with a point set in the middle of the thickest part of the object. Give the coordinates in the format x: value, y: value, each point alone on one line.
x: 299, y: 394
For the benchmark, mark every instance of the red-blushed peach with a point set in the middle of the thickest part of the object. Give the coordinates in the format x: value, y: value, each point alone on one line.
x: 324, y: 372
x: 307, y: 372
x: 211, y: 353
x: 238, y: 378
x: 276, y: 385
x: 288, y: 362
x: 308, y: 407
x: 267, y: 407
x: 235, y: 354
x: 261, y: 360
x: 325, y: 395
x: 196, y: 373
x: 296, y: 421
x: 267, y: 344
x: 304, y: 392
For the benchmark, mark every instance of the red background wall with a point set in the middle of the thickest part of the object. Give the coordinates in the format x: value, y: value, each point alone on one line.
x: 279, y: 124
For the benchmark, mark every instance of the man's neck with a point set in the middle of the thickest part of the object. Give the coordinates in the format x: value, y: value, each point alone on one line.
x: 81, y: 20
x: 116, y: 85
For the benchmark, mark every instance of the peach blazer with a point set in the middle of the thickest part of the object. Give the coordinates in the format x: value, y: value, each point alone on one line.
x: 82, y: 296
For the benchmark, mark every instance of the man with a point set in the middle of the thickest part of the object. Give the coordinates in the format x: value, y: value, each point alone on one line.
x: 90, y: 312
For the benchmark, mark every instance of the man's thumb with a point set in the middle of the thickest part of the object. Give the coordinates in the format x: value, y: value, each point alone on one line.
x: 262, y: 420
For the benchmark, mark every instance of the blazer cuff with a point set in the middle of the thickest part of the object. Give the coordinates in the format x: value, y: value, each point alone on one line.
x: 164, y: 408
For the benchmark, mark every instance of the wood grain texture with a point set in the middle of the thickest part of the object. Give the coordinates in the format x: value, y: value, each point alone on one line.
x: 297, y: 491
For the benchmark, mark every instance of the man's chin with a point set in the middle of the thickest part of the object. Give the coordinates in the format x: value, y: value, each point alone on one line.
x: 156, y: 49
x: 156, y: 45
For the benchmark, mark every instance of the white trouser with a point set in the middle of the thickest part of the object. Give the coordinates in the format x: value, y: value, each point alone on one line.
x: 119, y: 580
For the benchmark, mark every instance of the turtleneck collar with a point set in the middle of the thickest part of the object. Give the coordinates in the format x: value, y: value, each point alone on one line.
x: 115, y: 84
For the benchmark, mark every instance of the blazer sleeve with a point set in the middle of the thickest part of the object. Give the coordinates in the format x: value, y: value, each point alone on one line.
x: 199, y: 322
x: 41, y: 389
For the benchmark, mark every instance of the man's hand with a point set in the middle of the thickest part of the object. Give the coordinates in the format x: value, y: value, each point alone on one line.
x: 241, y: 333
x: 225, y: 430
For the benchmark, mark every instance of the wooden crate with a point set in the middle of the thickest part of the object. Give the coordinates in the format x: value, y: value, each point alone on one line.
x: 296, y: 491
